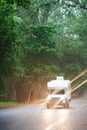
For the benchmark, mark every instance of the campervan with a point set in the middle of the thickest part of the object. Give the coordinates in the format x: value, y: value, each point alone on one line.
x: 59, y: 92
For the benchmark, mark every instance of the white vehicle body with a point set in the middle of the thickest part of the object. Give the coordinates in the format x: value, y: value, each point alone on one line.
x: 59, y: 92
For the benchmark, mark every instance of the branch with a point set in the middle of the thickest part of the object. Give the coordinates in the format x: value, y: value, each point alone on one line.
x: 49, y: 3
x: 75, y: 4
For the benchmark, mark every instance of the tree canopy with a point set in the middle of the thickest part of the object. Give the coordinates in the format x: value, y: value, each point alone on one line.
x: 40, y: 39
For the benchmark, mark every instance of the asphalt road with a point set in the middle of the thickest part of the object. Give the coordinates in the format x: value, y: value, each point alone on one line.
x: 37, y: 117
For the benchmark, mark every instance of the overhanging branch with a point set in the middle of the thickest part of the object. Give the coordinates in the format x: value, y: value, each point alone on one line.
x: 49, y: 3
x: 70, y: 3
x: 76, y: 4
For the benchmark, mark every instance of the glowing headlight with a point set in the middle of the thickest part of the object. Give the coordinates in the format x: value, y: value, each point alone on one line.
x: 48, y: 98
x: 63, y: 99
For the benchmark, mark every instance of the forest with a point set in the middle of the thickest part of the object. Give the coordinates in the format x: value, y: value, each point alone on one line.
x: 39, y: 40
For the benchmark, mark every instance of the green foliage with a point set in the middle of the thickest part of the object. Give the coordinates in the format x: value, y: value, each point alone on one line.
x: 24, y: 3
x: 7, y: 39
x: 39, y: 41
x: 40, y: 50
x: 8, y: 51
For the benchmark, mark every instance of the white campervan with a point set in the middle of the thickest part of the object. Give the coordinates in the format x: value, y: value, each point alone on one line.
x: 59, y: 92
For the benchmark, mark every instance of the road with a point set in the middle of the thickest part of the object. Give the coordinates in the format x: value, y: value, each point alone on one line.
x: 37, y: 117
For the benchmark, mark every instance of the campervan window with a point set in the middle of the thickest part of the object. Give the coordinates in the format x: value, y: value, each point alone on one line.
x: 56, y: 91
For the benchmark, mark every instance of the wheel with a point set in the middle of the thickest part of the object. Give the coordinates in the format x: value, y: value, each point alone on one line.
x: 66, y: 105
x: 48, y: 105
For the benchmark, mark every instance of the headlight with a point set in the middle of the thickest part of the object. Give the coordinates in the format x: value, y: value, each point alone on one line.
x: 48, y: 98
x: 63, y: 99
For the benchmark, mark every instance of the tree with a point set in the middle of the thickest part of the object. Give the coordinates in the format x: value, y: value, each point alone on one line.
x: 8, y: 44
x: 45, y: 39
x: 38, y: 51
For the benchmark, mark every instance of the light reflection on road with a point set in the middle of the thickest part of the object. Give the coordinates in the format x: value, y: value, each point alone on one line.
x: 62, y: 113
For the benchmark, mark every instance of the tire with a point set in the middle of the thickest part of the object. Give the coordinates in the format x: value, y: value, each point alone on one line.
x: 66, y: 105
x: 48, y: 106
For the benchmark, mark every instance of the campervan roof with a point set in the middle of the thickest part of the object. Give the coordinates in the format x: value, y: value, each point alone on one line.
x: 59, y: 84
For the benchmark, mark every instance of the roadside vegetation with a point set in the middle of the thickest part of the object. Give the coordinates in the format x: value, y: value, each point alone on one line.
x: 8, y: 104
x: 40, y: 40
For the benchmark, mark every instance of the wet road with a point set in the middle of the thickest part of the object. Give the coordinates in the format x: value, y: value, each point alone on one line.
x: 37, y: 117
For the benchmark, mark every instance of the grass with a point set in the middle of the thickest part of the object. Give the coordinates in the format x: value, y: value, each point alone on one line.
x: 8, y: 103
